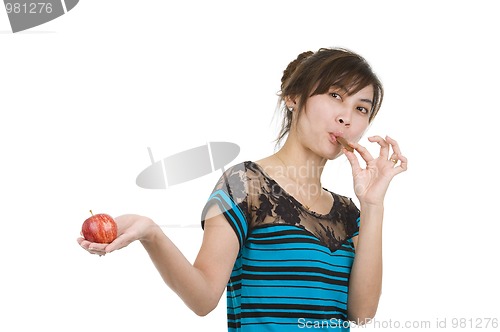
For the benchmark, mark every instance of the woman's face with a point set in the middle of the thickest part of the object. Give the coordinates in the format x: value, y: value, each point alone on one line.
x: 332, y: 114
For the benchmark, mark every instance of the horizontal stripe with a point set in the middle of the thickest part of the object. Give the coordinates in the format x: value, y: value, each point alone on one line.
x: 295, y: 281
x: 296, y: 307
x: 293, y: 250
x: 293, y: 315
x: 314, y: 263
x: 275, y: 231
x: 320, y: 301
x: 302, y: 270
x: 295, y: 288
x: 284, y: 240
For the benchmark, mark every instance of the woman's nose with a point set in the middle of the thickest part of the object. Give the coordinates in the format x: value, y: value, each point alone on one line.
x: 344, y: 118
x: 341, y: 121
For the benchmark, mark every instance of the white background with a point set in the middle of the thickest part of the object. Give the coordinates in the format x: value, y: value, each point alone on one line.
x: 83, y: 96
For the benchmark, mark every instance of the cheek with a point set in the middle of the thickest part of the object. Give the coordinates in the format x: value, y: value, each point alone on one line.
x: 356, y: 137
x: 316, y: 117
x: 311, y: 122
x: 360, y: 129
x: 313, y: 125
x: 302, y: 121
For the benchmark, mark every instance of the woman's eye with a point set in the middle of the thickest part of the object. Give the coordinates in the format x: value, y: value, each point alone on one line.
x: 335, y: 95
x: 363, y: 110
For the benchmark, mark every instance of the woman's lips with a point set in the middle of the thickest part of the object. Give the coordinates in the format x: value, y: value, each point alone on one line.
x: 335, y: 134
x: 337, y: 137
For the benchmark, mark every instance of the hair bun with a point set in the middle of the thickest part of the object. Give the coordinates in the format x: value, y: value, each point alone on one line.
x: 292, y: 66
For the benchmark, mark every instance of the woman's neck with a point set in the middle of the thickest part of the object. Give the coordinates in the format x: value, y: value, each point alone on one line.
x: 301, y: 164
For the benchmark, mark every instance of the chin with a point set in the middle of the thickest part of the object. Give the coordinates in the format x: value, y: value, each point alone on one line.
x: 328, y: 152
x: 332, y: 155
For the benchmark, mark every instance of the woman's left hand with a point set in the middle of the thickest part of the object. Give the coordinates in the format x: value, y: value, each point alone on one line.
x: 371, y: 183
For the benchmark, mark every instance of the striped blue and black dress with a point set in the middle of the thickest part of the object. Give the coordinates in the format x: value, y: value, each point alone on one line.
x: 293, y: 266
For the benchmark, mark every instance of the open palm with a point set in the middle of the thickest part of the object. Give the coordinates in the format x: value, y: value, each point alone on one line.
x: 131, y: 227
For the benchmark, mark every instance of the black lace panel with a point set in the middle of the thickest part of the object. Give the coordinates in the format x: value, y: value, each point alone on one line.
x: 264, y: 202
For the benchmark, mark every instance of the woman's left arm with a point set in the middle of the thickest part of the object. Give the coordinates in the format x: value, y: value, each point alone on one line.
x: 370, y: 186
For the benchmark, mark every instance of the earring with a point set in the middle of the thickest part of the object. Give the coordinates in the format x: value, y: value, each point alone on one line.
x: 290, y: 109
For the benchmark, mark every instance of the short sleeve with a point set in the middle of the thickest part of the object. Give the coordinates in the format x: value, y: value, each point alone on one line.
x: 230, y: 195
x: 356, y: 233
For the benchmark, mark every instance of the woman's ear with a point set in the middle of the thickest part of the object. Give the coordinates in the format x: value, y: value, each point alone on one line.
x: 291, y: 103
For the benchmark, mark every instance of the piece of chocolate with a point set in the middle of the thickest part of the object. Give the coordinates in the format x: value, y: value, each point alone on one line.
x: 344, y: 143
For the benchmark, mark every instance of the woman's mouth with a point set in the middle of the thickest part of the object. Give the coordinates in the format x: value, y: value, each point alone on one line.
x: 334, y: 135
x: 338, y: 138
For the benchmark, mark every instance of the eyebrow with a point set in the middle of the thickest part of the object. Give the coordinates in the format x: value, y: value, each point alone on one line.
x: 369, y: 101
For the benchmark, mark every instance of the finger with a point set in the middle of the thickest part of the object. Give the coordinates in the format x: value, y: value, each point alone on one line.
x: 84, y: 243
x: 394, y: 159
x: 363, y: 152
x: 97, y: 251
x: 93, y: 248
x: 397, y: 155
x: 403, y: 166
x: 351, y: 157
x: 394, y: 145
x: 384, y: 146
x: 97, y: 246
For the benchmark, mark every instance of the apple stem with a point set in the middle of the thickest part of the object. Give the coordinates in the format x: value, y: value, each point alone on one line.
x: 91, y: 212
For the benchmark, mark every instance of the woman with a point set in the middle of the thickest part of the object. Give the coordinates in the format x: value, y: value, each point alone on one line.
x: 296, y: 255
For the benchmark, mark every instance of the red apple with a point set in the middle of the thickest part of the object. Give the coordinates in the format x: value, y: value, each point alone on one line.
x: 99, y: 228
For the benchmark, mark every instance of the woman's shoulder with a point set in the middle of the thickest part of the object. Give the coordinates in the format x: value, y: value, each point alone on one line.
x: 241, y: 180
x: 256, y: 168
x: 242, y: 167
x: 344, y: 203
x: 341, y: 198
x: 240, y: 174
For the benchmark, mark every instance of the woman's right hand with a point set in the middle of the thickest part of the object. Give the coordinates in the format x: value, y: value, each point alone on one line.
x: 131, y: 227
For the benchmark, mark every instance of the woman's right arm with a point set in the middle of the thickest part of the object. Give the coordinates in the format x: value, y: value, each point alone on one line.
x: 201, y: 284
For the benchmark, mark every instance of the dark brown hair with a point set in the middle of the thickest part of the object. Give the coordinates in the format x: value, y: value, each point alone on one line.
x: 323, y: 69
